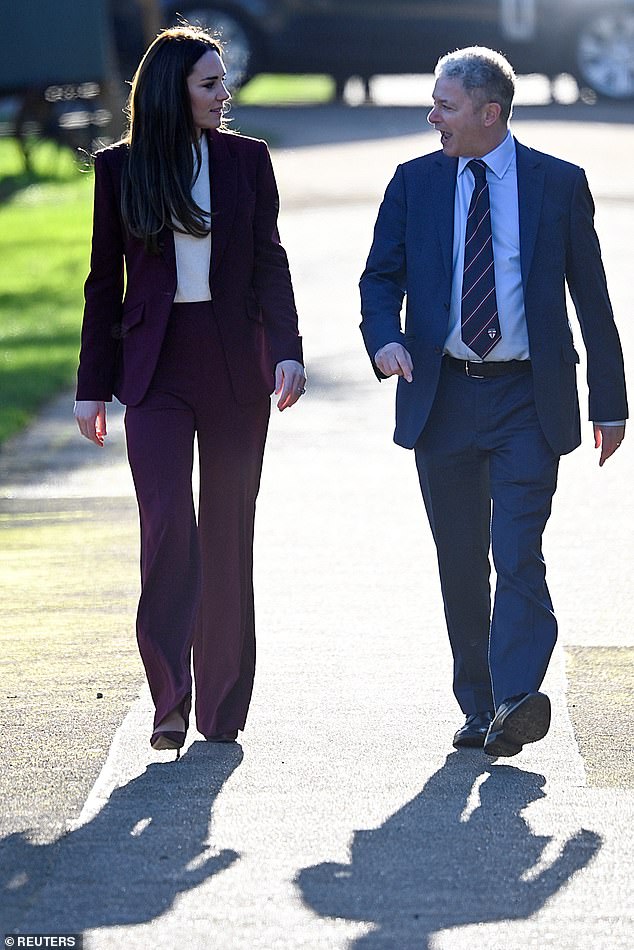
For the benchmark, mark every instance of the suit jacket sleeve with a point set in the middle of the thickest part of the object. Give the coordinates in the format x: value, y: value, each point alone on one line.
x: 103, y: 291
x: 383, y: 283
x: 271, y: 275
x: 588, y: 288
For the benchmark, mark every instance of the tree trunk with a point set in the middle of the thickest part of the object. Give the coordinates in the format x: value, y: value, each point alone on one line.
x: 151, y: 19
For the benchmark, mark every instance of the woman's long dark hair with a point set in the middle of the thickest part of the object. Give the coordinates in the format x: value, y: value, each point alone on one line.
x: 157, y: 177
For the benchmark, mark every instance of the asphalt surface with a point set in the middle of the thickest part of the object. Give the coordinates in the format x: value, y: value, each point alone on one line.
x: 342, y: 818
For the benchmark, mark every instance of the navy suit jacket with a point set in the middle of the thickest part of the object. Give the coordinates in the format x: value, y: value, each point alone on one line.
x: 411, y: 257
x: 127, y: 310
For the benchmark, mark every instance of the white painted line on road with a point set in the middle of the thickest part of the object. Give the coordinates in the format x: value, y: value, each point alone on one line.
x: 128, y: 758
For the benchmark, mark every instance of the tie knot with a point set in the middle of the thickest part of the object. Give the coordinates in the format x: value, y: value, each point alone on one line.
x: 479, y: 171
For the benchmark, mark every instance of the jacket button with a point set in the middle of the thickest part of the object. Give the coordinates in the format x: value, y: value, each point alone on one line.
x: 446, y: 306
x: 437, y: 349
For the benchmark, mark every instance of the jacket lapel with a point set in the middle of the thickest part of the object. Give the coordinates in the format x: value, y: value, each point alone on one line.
x: 442, y: 192
x: 224, y: 195
x: 168, y: 249
x: 530, y: 193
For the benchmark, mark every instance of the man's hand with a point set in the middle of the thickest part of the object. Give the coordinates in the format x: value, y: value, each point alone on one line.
x: 90, y: 415
x: 394, y: 360
x: 290, y: 380
x: 608, y: 439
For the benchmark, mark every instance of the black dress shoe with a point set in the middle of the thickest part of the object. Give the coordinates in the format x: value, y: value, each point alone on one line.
x: 473, y: 733
x: 518, y: 720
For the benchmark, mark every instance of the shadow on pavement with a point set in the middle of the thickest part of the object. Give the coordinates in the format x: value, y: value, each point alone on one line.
x: 446, y: 860
x: 127, y: 865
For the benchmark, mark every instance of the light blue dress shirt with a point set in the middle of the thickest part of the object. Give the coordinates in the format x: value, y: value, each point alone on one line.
x: 502, y: 180
x: 505, y: 227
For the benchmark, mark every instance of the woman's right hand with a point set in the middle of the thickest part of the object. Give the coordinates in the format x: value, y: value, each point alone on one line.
x: 91, y: 419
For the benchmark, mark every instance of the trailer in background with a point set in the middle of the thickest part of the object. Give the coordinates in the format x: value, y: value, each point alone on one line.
x: 59, y: 75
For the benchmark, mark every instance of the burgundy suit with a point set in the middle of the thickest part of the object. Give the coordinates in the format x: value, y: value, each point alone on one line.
x: 204, y: 369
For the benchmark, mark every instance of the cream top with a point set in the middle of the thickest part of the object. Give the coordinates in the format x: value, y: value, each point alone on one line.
x: 193, y: 254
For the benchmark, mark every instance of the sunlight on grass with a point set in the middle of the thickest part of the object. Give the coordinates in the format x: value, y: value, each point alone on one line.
x: 268, y: 90
x: 44, y: 247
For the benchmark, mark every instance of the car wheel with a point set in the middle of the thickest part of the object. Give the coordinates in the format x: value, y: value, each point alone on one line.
x: 605, y: 53
x: 238, y: 48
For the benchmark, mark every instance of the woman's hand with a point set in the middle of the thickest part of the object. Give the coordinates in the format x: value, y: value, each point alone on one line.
x: 290, y: 380
x: 91, y: 419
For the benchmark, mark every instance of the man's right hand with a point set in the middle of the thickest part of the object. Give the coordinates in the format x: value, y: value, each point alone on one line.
x: 394, y: 360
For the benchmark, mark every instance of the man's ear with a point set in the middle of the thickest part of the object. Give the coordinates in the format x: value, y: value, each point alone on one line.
x: 492, y: 113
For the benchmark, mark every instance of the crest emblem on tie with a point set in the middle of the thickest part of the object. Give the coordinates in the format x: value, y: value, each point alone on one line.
x: 492, y: 333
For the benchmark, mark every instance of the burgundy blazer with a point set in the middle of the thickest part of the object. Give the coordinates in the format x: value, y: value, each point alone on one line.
x: 252, y: 297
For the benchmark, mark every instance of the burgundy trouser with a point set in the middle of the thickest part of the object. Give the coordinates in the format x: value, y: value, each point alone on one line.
x: 196, y: 577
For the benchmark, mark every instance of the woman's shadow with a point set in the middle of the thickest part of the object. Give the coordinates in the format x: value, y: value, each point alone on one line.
x: 147, y: 845
x: 446, y: 860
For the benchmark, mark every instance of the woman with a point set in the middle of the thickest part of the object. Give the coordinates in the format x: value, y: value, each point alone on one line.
x: 192, y: 340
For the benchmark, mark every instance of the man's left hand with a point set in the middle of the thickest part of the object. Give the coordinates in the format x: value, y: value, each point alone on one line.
x: 290, y: 382
x: 608, y: 439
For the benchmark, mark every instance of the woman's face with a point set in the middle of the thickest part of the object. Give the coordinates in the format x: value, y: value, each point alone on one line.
x: 207, y: 91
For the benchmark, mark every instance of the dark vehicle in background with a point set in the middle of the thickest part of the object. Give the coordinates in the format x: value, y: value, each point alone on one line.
x: 593, y: 40
x: 63, y: 63
x: 57, y: 80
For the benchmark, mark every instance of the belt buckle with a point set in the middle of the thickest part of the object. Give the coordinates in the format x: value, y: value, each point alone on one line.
x: 469, y: 373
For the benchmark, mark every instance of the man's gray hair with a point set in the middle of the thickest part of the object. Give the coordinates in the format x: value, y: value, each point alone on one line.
x: 486, y: 75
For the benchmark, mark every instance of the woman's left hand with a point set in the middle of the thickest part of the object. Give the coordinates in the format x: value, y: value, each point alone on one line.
x: 290, y: 382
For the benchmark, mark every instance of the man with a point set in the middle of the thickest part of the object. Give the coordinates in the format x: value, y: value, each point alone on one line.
x: 481, y: 239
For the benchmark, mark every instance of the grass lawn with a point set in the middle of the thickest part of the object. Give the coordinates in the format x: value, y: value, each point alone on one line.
x: 268, y: 89
x: 45, y: 224
x: 44, y: 248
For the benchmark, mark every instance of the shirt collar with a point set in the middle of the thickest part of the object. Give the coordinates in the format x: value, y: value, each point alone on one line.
x: 497, y: 160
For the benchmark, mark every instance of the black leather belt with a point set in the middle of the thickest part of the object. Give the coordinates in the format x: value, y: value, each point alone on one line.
x: 486, y: 370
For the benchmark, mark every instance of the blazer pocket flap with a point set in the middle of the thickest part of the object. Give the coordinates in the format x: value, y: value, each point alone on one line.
x: 132, y: 317
x: 569, y: 353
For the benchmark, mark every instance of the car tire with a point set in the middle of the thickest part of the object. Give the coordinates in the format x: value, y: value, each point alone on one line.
x: 235, y: 37
x: 604, y: 53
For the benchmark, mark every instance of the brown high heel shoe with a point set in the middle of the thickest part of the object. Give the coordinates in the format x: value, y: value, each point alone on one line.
x: 167, y: 741
x: 170, y: 740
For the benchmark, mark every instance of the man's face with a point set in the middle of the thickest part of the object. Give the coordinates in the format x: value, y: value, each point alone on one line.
x: 463, y: 126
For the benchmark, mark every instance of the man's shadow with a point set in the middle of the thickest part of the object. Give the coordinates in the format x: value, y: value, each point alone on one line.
x: 147, y: 845
x: 444, y: 860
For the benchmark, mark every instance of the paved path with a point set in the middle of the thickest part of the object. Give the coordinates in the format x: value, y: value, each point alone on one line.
x: 343, y: 819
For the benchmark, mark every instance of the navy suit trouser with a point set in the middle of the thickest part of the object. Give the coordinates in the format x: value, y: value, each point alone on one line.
x: 488, y: 476
x: 196, y: 598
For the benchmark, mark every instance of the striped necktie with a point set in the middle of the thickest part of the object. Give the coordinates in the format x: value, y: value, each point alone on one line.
x: 480, y: 326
